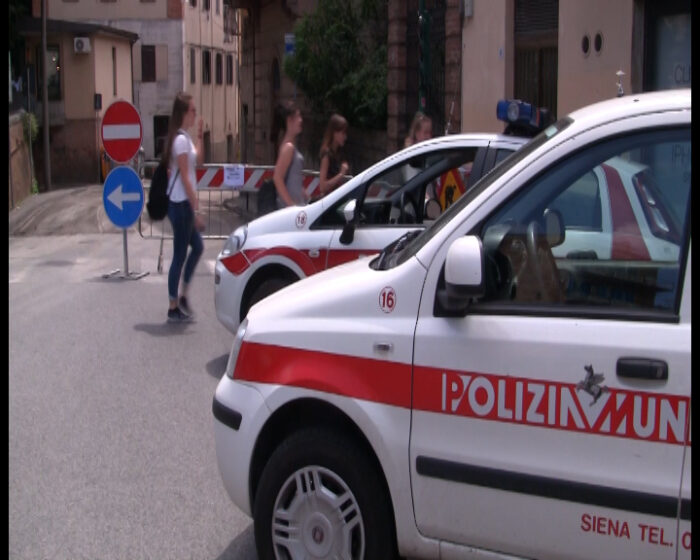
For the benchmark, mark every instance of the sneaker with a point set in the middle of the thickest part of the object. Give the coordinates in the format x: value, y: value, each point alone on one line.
x: 177, y: 316
x: 184, y: 306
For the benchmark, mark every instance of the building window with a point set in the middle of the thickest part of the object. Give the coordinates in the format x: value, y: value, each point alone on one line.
x: 219, y: 73
x: 160, y: 134
x: 114, y: 71
x: 229, y: 69
x: 207, y: 147
x: 217, y: 7
x: 193, y: 3
x: 148, y: 63
x: 667, y: 45
x: 206, y: 5
x: 54, y: 71
x: 206, y: 67
x: 193, y: 67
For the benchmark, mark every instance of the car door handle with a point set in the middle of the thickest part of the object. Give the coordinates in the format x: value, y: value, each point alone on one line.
x: 642, y: 368
x: 383, y: 347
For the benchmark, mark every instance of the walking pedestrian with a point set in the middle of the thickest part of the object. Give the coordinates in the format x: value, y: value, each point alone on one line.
x: 287, y: 174
x: 181, y: 157
x: 333, y: 168
x: 421, y: 129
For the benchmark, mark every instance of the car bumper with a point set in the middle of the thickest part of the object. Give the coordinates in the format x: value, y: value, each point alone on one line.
x: 239, y: 414
x: 228, y: 291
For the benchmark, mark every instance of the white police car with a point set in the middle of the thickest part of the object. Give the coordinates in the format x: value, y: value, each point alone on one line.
x: 475, y: 391
x: 359, y: 218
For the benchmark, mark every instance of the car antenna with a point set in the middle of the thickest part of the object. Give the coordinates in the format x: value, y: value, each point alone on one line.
x: 619, y: 75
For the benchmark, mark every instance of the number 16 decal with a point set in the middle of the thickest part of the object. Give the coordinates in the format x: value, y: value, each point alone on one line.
x: 387, y: 299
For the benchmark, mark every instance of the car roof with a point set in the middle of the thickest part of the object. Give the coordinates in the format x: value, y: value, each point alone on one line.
x: 627, y: 106
x: 439, y: 142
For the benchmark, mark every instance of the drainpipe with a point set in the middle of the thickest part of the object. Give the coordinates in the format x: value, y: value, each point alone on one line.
x: 45, y: 97
x: 9, y: 159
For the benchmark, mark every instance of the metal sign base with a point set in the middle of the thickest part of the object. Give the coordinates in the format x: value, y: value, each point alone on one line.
x: 126, y: 275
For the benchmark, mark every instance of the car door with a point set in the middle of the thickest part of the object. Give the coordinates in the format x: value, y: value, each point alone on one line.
x: 394, y: 201
x: 551, y: 421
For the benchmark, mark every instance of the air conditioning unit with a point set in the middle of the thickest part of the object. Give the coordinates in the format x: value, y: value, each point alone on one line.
x: 81, y: 45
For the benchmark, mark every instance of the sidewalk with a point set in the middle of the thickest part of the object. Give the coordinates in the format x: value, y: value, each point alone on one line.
x: 66, y: 210
x: 78, y: 209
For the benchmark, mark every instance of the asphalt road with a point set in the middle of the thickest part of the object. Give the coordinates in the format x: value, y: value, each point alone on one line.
x: 111, y: 451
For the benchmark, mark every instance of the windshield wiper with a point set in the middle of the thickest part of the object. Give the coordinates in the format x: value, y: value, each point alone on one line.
x: 394, y: 248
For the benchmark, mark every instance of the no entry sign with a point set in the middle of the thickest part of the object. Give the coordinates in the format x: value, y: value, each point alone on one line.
x: 121, y: 131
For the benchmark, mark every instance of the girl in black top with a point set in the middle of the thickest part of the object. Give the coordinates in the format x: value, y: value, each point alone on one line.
x: 333, y: 170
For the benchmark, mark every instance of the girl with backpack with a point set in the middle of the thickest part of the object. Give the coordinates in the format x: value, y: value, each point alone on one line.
x: 180, y: 157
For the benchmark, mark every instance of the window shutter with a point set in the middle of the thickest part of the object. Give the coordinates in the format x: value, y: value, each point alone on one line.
x: 161, y: 62
x: 136, y: 61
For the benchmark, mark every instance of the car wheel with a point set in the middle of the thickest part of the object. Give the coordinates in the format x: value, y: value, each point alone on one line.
x: 320, y: 497
x: 268, y: 287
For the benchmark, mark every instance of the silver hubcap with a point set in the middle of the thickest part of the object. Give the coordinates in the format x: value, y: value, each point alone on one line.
x: 316, y: 516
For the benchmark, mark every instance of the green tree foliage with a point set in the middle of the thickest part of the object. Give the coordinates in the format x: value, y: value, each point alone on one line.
x: 340, y: 60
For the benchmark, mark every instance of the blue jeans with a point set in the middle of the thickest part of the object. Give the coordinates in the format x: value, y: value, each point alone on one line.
x: 184, y: 233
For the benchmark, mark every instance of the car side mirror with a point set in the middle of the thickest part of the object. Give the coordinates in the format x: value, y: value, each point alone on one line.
x: 464, y: 275
x: 348, y: 233
x: 349, y: 211
x: 553, y: 227
x: 432, y: 209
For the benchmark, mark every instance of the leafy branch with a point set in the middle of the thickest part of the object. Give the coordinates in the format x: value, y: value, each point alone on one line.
x: 340, y: 61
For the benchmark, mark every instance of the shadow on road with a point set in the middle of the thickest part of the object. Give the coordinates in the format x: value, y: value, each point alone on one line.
x: 217, y: 366
x: 241, y: 548
x: 164, y: 328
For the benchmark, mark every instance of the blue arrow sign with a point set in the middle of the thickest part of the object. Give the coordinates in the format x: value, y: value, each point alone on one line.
x: 123, y: 196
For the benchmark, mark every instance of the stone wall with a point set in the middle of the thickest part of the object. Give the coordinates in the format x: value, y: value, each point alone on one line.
x: 20, y: 179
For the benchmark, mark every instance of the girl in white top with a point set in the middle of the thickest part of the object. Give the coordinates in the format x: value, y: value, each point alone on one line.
x: 181, y: 157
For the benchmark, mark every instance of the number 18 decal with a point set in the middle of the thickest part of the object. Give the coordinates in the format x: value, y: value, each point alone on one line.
x: 387, y: 299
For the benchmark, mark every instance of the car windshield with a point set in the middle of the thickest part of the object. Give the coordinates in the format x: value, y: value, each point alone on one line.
x: 402, y: 252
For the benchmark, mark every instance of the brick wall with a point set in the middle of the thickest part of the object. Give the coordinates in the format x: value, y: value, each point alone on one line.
x: 73, y: 154
x: 175, y: 9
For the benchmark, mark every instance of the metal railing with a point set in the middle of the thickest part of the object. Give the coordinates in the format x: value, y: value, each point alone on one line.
x: 227, y: 195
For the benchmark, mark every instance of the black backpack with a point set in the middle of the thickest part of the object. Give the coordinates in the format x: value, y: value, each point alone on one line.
x: 159, y: 193
x: 267, y: 197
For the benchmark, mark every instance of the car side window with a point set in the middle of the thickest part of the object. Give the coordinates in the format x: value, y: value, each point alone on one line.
x: 607, y: 228
x: 399, y: 195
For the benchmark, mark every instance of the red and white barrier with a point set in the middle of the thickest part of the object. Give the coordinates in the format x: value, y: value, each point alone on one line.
x: 211, y: 176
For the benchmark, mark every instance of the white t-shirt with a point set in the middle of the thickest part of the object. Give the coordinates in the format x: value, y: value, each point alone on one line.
x: 182, y: 144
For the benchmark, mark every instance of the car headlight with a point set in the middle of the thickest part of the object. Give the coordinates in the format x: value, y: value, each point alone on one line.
x: 235, y: 241
x: 236, y: 348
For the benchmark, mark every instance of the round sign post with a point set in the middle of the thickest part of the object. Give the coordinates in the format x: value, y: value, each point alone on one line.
x: 121, y: 131
x: 123, y: 197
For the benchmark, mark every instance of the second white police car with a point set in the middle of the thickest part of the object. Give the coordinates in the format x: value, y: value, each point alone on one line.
x: 512, y: 382
x: 402, y: 193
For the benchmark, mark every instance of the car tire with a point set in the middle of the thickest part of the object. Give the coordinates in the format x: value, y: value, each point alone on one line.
x: 320, y: 496
x: 268, y: 287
